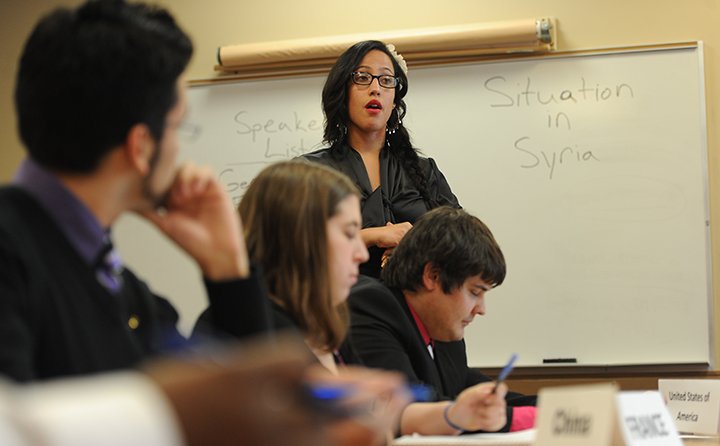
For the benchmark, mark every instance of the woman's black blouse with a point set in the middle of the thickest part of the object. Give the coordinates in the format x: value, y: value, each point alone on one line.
x: 396, y: 200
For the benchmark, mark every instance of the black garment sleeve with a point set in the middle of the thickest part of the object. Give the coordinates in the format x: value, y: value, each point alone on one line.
x: 439, y: 187
x: 239, y: 308
x: 16, y: 338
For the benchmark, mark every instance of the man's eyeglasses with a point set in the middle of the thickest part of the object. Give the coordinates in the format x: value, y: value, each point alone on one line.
x: 384, y: 80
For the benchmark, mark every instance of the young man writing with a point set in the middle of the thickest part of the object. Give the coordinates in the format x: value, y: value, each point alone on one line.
x: 433, y: 287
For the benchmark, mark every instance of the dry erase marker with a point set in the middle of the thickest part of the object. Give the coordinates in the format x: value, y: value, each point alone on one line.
x: 505, y: 371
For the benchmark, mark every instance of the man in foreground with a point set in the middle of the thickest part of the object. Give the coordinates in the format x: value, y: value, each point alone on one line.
x: 99, y: 99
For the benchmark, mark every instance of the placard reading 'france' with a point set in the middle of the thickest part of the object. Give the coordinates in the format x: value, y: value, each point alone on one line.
x: 589, y: 169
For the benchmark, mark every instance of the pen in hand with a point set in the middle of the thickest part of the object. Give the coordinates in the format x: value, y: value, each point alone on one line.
x: 505, y: 371
x: 329, y: 399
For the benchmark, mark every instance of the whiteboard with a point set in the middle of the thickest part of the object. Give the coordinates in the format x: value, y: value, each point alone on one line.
x: 590, y: 169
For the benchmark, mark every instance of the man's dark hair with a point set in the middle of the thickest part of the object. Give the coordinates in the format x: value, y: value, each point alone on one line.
x: 87, y: 75
x: 456, y: 244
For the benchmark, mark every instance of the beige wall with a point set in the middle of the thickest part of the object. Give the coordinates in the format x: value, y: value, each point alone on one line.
x: 582, y: 24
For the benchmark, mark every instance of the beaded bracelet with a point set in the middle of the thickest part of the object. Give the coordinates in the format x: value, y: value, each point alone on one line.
x: 447, y: 419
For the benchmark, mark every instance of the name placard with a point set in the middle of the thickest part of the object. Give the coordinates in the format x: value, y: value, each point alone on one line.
x: 645, y: 421
x: 597, y: 415
x: 694, y: 404
x: 569, y: 416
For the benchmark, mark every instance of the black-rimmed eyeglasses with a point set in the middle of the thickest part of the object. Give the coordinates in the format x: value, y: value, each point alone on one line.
x: 384, y: 80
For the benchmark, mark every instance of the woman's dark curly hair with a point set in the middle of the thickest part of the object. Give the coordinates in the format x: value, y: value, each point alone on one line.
x: 335, y: 100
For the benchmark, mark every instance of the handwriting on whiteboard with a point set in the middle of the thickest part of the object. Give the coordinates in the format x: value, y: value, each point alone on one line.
x: 531, y: 152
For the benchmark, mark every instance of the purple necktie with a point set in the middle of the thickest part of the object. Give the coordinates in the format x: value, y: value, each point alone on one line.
x: 108, y: 268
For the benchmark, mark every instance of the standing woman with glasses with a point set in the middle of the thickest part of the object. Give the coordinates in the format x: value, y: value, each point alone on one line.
x: 363, y: 105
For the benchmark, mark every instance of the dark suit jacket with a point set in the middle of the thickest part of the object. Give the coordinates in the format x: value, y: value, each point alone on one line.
x: 384, y: 335
x: 57, y: 320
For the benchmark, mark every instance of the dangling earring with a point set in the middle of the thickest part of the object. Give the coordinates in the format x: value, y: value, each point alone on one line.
x: 341, y: 127
x: 391, y: 130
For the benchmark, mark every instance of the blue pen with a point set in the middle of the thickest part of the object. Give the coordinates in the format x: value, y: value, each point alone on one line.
x: 418, y: 392
x: 505, y: 371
